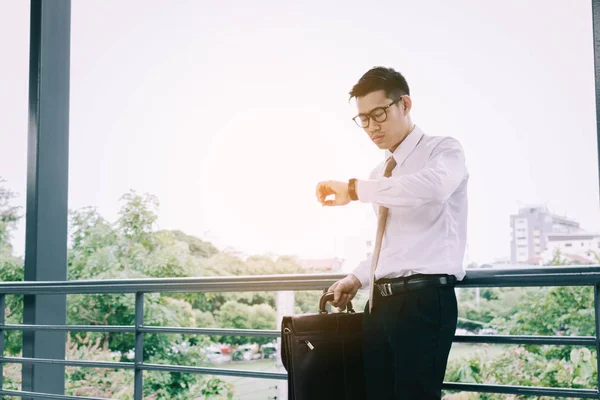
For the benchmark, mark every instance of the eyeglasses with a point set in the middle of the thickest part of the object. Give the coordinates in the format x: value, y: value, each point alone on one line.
x: 378, y: 115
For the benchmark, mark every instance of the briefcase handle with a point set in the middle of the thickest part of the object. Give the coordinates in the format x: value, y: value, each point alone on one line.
x: 329, y: 296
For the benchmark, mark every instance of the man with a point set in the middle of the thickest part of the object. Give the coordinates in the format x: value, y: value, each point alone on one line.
x: 420, y: 195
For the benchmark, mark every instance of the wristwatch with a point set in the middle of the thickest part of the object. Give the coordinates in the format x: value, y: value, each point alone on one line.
x: 352, y: 189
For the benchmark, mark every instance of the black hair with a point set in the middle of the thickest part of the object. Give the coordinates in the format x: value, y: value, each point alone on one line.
x: 381, y: 78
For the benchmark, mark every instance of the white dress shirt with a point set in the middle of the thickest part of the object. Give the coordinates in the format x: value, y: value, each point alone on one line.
x: 426, y: 195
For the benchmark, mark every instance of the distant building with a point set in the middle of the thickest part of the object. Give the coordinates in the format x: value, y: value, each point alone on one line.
x: 316, y: 265
x: 576, y: 248
x: 531, y: 228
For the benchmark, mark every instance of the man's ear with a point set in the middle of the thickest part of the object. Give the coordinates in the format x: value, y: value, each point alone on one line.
x: 407, y: 104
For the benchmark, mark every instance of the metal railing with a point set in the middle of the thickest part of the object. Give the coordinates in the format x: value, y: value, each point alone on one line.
x: 489, y: 277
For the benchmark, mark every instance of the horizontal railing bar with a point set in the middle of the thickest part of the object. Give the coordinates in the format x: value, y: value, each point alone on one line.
x: 482, y: 277
x: 503, y: 389
x: 103, y: 288
x: 489, y: 339
x: 523, y: 390
x: 145, y: 329
x: 212, y: 331
x: 215, y: 371
x: 68, y: 328
x: 36, y: 395
x: 69, y: 363
x: 516, y: 339
x: 195, y: 280
x: 532, y: 277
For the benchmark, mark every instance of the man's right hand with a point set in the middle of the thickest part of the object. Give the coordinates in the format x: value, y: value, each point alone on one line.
x: 344, y: 291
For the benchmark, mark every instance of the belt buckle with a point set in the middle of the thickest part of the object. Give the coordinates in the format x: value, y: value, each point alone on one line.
x: 385, y: 289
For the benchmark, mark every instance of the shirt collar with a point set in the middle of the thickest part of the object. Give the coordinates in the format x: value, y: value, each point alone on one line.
x: 407, y: 146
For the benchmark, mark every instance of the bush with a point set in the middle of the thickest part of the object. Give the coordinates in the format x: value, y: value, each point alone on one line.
x: 520, y: 367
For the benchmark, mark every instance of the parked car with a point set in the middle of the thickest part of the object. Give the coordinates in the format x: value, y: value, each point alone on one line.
x: 268, y: 350
x: 215, y: 355
x: 460, y: 331
x: 246, y: 352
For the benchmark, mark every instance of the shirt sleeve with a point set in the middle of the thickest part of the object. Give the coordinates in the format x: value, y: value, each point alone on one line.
x: 441, y: 176
x: 362, y: 272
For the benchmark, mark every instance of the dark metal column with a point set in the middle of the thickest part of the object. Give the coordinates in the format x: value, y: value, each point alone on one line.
x: 596, y: 27
x: 47, y: 188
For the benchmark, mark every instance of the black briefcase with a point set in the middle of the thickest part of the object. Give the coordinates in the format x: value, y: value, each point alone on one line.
x: 323, y: 354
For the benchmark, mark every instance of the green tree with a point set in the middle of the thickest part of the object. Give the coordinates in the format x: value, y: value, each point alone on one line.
x: 137, y: 218
x: 94, y: 242
x: 197, y: 247
x: 242, y: 316
x: 556, y: 310
x: 560, y: 310
x: 517, y: 366
x: 11, y: 267
x: 11, y: 270
x: 9, y: 215
x: 235, y: 315
x: 131, y: 248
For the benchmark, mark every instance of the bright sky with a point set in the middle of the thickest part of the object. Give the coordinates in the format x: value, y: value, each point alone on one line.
x: 231, y: 112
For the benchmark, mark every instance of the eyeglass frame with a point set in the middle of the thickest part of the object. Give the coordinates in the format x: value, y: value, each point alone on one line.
x: 371, y: 117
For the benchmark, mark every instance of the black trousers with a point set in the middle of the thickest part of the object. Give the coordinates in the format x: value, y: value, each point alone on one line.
x: 407, y: 340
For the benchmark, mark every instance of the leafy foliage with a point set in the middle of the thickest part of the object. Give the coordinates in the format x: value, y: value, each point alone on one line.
x: 549, y: 311
x: 517, y: 366
x: 9, y: 215
x: 11, y: 267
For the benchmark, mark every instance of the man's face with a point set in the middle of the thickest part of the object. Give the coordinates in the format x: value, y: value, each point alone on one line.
x: 395, y: 121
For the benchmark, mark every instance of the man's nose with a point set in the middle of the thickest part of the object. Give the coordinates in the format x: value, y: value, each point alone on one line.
x: 374, y: 127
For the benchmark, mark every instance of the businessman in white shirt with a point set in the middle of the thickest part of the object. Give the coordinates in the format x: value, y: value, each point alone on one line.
x: 419, y: 193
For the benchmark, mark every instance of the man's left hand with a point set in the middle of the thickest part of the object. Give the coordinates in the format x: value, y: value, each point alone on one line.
x: 336, y: 188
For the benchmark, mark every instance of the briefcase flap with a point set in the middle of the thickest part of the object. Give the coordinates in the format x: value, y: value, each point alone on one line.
x: 327, y: 326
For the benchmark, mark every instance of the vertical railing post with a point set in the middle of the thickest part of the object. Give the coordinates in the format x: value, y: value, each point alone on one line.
x: 597, y: 317
x: 139, y: 347
x: 596, y: 36
x: 2, y: 311
x: 46, y: 218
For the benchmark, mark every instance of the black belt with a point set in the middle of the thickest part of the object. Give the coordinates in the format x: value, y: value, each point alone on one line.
x: 390, y: 287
